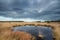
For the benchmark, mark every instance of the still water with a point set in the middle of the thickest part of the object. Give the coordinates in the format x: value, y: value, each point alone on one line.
x: 46, y: 31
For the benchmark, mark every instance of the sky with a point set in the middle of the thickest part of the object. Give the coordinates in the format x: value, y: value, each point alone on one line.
x: 29, y: 10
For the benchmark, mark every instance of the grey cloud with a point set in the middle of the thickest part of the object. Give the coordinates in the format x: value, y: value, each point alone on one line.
x: 35, y: 9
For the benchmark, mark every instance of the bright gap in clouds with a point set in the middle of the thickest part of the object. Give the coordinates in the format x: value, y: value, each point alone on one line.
x: 21, y: 19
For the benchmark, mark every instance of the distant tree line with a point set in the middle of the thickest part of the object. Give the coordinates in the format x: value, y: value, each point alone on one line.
x: 53, y: 21
x: 50, y: 21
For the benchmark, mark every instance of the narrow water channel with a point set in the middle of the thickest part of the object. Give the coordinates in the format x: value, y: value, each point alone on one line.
x: 46, y: 31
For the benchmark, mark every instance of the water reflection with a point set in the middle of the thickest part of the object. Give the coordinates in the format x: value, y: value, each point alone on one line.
x: 46, y: 31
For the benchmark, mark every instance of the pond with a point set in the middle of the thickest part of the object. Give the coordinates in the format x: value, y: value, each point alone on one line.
x: 46, y: 31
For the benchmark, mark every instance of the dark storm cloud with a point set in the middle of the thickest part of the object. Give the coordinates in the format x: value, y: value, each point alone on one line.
x: 35, y: 9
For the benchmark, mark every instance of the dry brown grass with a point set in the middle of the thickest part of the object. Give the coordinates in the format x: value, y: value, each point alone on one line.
x: 8, y: 34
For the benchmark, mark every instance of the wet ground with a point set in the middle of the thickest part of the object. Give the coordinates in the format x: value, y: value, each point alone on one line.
x: 35, y: 31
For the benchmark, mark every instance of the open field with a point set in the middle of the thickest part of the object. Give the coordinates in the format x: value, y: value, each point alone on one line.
x: 7, y: 34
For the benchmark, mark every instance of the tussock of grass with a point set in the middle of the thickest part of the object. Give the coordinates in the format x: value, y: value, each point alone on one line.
x: 7, y: 34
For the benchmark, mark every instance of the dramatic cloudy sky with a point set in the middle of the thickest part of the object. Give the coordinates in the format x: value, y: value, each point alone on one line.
x: 29, y: 10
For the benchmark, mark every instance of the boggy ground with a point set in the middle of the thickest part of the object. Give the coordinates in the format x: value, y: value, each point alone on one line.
x: 8, y: 34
